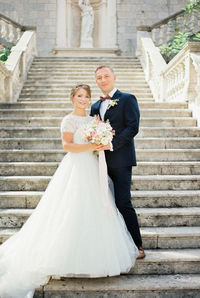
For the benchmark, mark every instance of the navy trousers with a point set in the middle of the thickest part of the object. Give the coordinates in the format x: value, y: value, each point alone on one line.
x: 121, y: 178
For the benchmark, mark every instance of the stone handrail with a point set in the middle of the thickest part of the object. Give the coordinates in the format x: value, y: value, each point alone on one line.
x: 10, y: 31
x: 179, y: 80
x: 13, y: 72
x: 165, y: 30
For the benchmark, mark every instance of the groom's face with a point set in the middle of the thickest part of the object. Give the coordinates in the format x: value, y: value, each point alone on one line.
x: 105, y: 79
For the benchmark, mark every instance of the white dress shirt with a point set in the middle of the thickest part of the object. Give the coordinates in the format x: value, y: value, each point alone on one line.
x: 104, y: 105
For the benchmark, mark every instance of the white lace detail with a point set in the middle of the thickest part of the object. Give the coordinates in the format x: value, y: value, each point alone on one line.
x: 70, y: 123
x: 67, y: 124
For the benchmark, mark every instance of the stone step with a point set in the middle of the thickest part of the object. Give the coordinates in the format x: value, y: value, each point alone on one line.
x: 75, y: 78
x: 158, y: 113
x: 120, y: 60
x: 65, y: 95
x: 167, y: 143
x: 62, y: 92
x: 140, y: 199
x: 136, y: 69
x: 166, y: 182
x: 186, y: 122
x: 67, y: 88
x: 143, y: 168
x: 147, y: 217
x: 165, y: 198
x: 129, y: 286
x: 82, y: 76
x: 81, y: 60
x: 160, y: 133
x: 142, y: 155
x: 68, y: 104
x: 139, y: 82
x: 67, y: 85
x: 85, y: 58
x: 167, y: 168
x: 140, y: 143
x: 58, y: 99
x: 139, y: 182
x: 115, y: 64
x: 81, y: 67
x: 169, y: 132
x: 168, y: 154
x: 153, y: 237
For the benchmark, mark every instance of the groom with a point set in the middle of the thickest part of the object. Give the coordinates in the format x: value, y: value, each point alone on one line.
x: 121, y: 109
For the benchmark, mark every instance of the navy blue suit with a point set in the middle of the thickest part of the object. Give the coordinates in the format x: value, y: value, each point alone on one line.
x: 124, y: 118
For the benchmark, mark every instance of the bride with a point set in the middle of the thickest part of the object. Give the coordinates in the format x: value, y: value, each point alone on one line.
x: 70, y: 233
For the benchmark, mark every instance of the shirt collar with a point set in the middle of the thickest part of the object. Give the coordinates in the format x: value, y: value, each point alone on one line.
x: 111, y: 92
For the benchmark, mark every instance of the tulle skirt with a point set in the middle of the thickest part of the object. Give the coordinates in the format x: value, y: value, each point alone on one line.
x: 70, y: 233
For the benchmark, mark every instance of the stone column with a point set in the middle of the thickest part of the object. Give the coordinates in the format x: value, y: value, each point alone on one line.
x: 112, y: 24
x: 61, y: 40
x: 103, y: 25
x: 69, y: 20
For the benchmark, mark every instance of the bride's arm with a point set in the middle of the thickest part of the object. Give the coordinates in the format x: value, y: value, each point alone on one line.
x: 68, y: 145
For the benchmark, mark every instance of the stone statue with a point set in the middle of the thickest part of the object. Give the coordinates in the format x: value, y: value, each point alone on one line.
x: 86, y: 24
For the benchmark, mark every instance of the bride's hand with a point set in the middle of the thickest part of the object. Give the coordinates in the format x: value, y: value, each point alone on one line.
x: 93, y: 146
x: 102, y: 147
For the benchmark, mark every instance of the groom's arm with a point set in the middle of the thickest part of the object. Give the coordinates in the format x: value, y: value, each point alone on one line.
x: 132, y: 119
x: 92, y: 111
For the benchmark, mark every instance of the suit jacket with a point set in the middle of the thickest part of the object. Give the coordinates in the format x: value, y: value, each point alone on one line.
x: 124, y: 118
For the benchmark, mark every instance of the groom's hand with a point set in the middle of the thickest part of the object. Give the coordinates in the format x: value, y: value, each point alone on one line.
x: 103, y: 147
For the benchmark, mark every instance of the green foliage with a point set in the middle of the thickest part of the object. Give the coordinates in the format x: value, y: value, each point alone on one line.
x: 4, y: 53
x: 169, y: 50
x: 172, y: 48
x: 192, y: 5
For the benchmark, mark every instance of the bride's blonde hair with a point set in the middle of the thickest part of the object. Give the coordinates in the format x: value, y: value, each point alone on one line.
x: 80, y: 86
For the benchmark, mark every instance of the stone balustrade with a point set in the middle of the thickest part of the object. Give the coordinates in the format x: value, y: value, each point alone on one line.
x: 179, y: 80
x: 13, y: 72
x: 10, y: 31
x: 165, y: 30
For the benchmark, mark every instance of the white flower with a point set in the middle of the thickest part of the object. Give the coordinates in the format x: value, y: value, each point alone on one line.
x: 98, y: 132
x: 113, y: 103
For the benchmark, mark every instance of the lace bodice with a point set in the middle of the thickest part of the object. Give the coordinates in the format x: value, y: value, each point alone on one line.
x: 75, y: 124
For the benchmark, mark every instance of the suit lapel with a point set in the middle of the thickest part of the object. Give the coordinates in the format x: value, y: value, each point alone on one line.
x: 115, y: 96
x: 97, y: 108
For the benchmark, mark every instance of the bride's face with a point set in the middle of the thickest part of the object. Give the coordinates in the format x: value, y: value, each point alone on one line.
x: 81, y: 99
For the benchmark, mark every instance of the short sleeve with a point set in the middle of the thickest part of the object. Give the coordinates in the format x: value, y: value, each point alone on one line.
x: 67, y: 125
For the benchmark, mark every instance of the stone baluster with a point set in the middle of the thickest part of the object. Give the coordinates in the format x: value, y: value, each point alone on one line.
x: 154, y: 35
x: 18, y: 34
x: 193, y: 21
x: 171, y: 30
x: 11, y: 32
x: 161, y: 35
x: 179, y: 24
x: 3, y: 29
x: 185, y: 23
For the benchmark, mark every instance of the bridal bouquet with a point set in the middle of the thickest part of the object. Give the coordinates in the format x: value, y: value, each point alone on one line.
x: 99, y: 132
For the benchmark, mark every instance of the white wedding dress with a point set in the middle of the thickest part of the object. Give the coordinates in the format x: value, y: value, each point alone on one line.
x: 70, y: 233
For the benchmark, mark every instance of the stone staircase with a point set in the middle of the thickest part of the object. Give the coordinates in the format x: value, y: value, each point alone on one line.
x: 165, y: 187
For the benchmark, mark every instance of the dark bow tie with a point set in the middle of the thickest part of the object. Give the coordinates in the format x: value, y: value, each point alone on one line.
x: 102, y: 98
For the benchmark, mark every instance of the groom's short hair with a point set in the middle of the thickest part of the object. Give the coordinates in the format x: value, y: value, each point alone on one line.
x: 104, y: 66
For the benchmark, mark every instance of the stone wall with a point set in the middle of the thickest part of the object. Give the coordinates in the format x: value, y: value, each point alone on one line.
x: 39, y: 13
x: 133, y: 13
x: 130, y: 13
